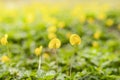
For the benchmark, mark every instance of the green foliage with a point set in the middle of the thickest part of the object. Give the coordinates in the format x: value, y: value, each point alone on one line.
x: 89, y: 62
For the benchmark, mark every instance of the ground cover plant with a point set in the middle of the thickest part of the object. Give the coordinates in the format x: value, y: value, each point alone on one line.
x: 41, y: 42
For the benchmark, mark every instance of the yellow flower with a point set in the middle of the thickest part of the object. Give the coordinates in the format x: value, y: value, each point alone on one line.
x: 5, y: 59
x: 4, y: 40
x: 75, y: 39
x: 101, y: 16
x: 109, y: 22
x: 61, y: 24
x: 52, y: 29
x: 30, y: 18
x: 90, y: 20
x: 97, y: 35
x: 82, y: 18
x: 54, y: 43
x: 95, y: 44
x: 53, y: 21
x: 46, y: 55
x: 38, y: 51
x: 51, y: 35
x: 6, y: 36
x: 118, y: 27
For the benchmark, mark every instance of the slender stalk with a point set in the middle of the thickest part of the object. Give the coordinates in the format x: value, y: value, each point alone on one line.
x: 39, y: 62
x: 55, y: 51
x: 70, y: 67
x: 72, y: 59
x: 8, y: 50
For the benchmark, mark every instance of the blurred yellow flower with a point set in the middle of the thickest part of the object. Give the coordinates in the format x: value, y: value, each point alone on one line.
x: 90, y: 20
x: 38, y: 51
x: 109, y: 22
x: 61, y: 24
x: 118, y: 26
x: 52, y: 29
x: 54, y: 43
x: 53, y: 21
x: 101, y: 16
x: 30, y: 18
x: 46, y: 55
x: 97, y: 35
x: 51, y: 35
x: 3, y: 40
x: 5, y: 59
x: 75, y: 39
x: 76, y: 10
x: 46, y: 18
x: 95, y: 44
x: 82, y: 18
x: 6, y: 35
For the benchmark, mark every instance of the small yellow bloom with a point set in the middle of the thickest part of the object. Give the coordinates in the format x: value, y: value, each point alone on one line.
x: 30, y: 18
x: 118, y: 27
x: 52, y: 29
x: 75, y: 39
x: 90, y: 20
x: 4, y: 40
x: 6, y: 36
x: 61, y: 24
x: 53, y: 21
x: 109, y: 22
x: 5, y: 59
x: 51, y: 35
x: 46, y: 55
x: 95, y: 44
x: 54, y: 43
x: 82, y: 18
x: 38, y: 51
x: 101, y: 16
x: 97, y: 35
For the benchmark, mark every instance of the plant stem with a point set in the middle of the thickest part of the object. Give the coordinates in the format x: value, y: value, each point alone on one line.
x: 72, y: 59
x: 39, y: 62
x: 70, y: 67
x: 8, y: 50
x: 55, y: 50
